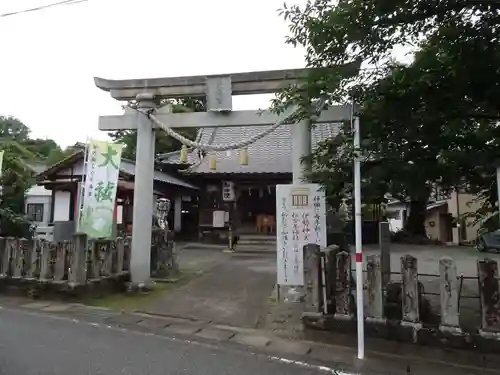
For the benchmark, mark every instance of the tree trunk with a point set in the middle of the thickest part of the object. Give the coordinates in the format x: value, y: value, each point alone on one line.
x: 416, y: 220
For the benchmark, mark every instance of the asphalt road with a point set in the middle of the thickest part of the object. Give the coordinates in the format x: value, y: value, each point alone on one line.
x: 37, y: 344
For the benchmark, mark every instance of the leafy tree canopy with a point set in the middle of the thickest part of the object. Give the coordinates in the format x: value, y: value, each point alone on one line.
x: 17, y: 176
x: 424, y: 124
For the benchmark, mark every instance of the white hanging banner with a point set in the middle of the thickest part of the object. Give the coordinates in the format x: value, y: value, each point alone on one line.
x: 300, y: 220
x: 101, y: 182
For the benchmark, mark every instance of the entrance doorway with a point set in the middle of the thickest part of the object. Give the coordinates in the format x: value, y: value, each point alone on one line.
x: 254, y: 201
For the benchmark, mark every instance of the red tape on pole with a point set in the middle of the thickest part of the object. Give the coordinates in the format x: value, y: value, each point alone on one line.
x: 359, y: 257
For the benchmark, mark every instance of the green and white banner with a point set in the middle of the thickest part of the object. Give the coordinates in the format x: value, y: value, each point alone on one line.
x: 99, y: 196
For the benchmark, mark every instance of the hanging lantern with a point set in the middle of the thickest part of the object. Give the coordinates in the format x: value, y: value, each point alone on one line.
x: 184, y: 154
x: 244, y: 156
x: 212, y: 162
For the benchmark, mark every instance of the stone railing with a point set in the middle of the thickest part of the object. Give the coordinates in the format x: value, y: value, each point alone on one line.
x: 79, y: 264
x: 400, y: 308
x: 62, y: 266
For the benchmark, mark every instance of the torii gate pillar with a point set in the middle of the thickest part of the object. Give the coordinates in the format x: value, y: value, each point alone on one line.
x: 142, y: 220
x: 301, y: 147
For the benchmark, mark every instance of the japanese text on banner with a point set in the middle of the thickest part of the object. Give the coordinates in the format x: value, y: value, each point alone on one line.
x: 101, y: 180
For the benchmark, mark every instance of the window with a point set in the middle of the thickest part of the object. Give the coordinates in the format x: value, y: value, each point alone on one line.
x: 34, y: 211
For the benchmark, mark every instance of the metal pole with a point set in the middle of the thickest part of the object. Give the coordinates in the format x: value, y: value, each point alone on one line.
x: 359, y: 241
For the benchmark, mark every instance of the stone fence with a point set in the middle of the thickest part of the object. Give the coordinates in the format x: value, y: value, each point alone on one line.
x: 330, y: 300
x: 77, y: 265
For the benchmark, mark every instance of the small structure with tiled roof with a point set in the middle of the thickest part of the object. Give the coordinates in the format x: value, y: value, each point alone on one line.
x: 64, y: 178
x: 269, y: 164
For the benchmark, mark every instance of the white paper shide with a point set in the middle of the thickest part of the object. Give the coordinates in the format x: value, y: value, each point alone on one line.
x: 300, y: 220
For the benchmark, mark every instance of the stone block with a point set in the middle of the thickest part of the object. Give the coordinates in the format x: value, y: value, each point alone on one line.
x: 251, y: 340
x: 489, y: 291
x: 289, y: 347
x: 124, y: 320
x: 56, y: 308
x: 154, y: 323
x: 36, y: 305
x: 215, y: 334
x: 184, y: 329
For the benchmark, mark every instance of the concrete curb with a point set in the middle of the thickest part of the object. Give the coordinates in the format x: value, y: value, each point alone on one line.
x: 341, y: 358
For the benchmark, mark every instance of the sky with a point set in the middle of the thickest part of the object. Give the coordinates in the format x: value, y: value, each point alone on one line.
x: 50, y: 56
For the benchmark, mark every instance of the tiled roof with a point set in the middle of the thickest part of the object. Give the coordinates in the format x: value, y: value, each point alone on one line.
x: 271, y: 154
x: 126, y: 166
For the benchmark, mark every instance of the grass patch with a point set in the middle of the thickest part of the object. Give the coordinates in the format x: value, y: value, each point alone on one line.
x: 132, y: 301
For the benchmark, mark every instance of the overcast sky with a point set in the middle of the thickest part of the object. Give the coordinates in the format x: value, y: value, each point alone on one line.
x: 49, y: 57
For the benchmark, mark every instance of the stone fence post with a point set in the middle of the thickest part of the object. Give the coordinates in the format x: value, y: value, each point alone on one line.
x: 312, y: 279
x: 5, y: 258
x: 17, y: 256
x: 449, y: 295
x: 385, y: 252
x: 410, y: 295
x: 63, y: 248
x: 45, y: 260
x: 343, y: 296
x: 489, y: 296
x: 120, y: 254
x: 76, y: 273
x: 375, y: 308
x: 33, y: 270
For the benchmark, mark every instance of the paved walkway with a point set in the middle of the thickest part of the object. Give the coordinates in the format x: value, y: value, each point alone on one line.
x: 234, y: 288
x: 390, y: 359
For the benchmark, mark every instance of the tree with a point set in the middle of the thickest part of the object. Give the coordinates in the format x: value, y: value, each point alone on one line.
x: 163, y: 142
x: 19, y: 149
x: 15, y: 180
x: 47, y: 150
x: 420, y: 120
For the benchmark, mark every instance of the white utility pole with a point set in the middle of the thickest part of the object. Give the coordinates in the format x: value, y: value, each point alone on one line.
x: 359, y: 240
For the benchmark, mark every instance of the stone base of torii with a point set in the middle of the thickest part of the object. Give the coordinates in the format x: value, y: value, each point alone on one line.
x: 218, y: 90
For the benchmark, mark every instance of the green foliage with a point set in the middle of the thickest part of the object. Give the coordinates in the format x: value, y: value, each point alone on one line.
x: 163, y: 142
x: 19, y: 150
x: 428, y: 123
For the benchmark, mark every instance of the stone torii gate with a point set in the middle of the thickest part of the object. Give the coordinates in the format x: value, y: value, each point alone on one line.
x: 218, y: 90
